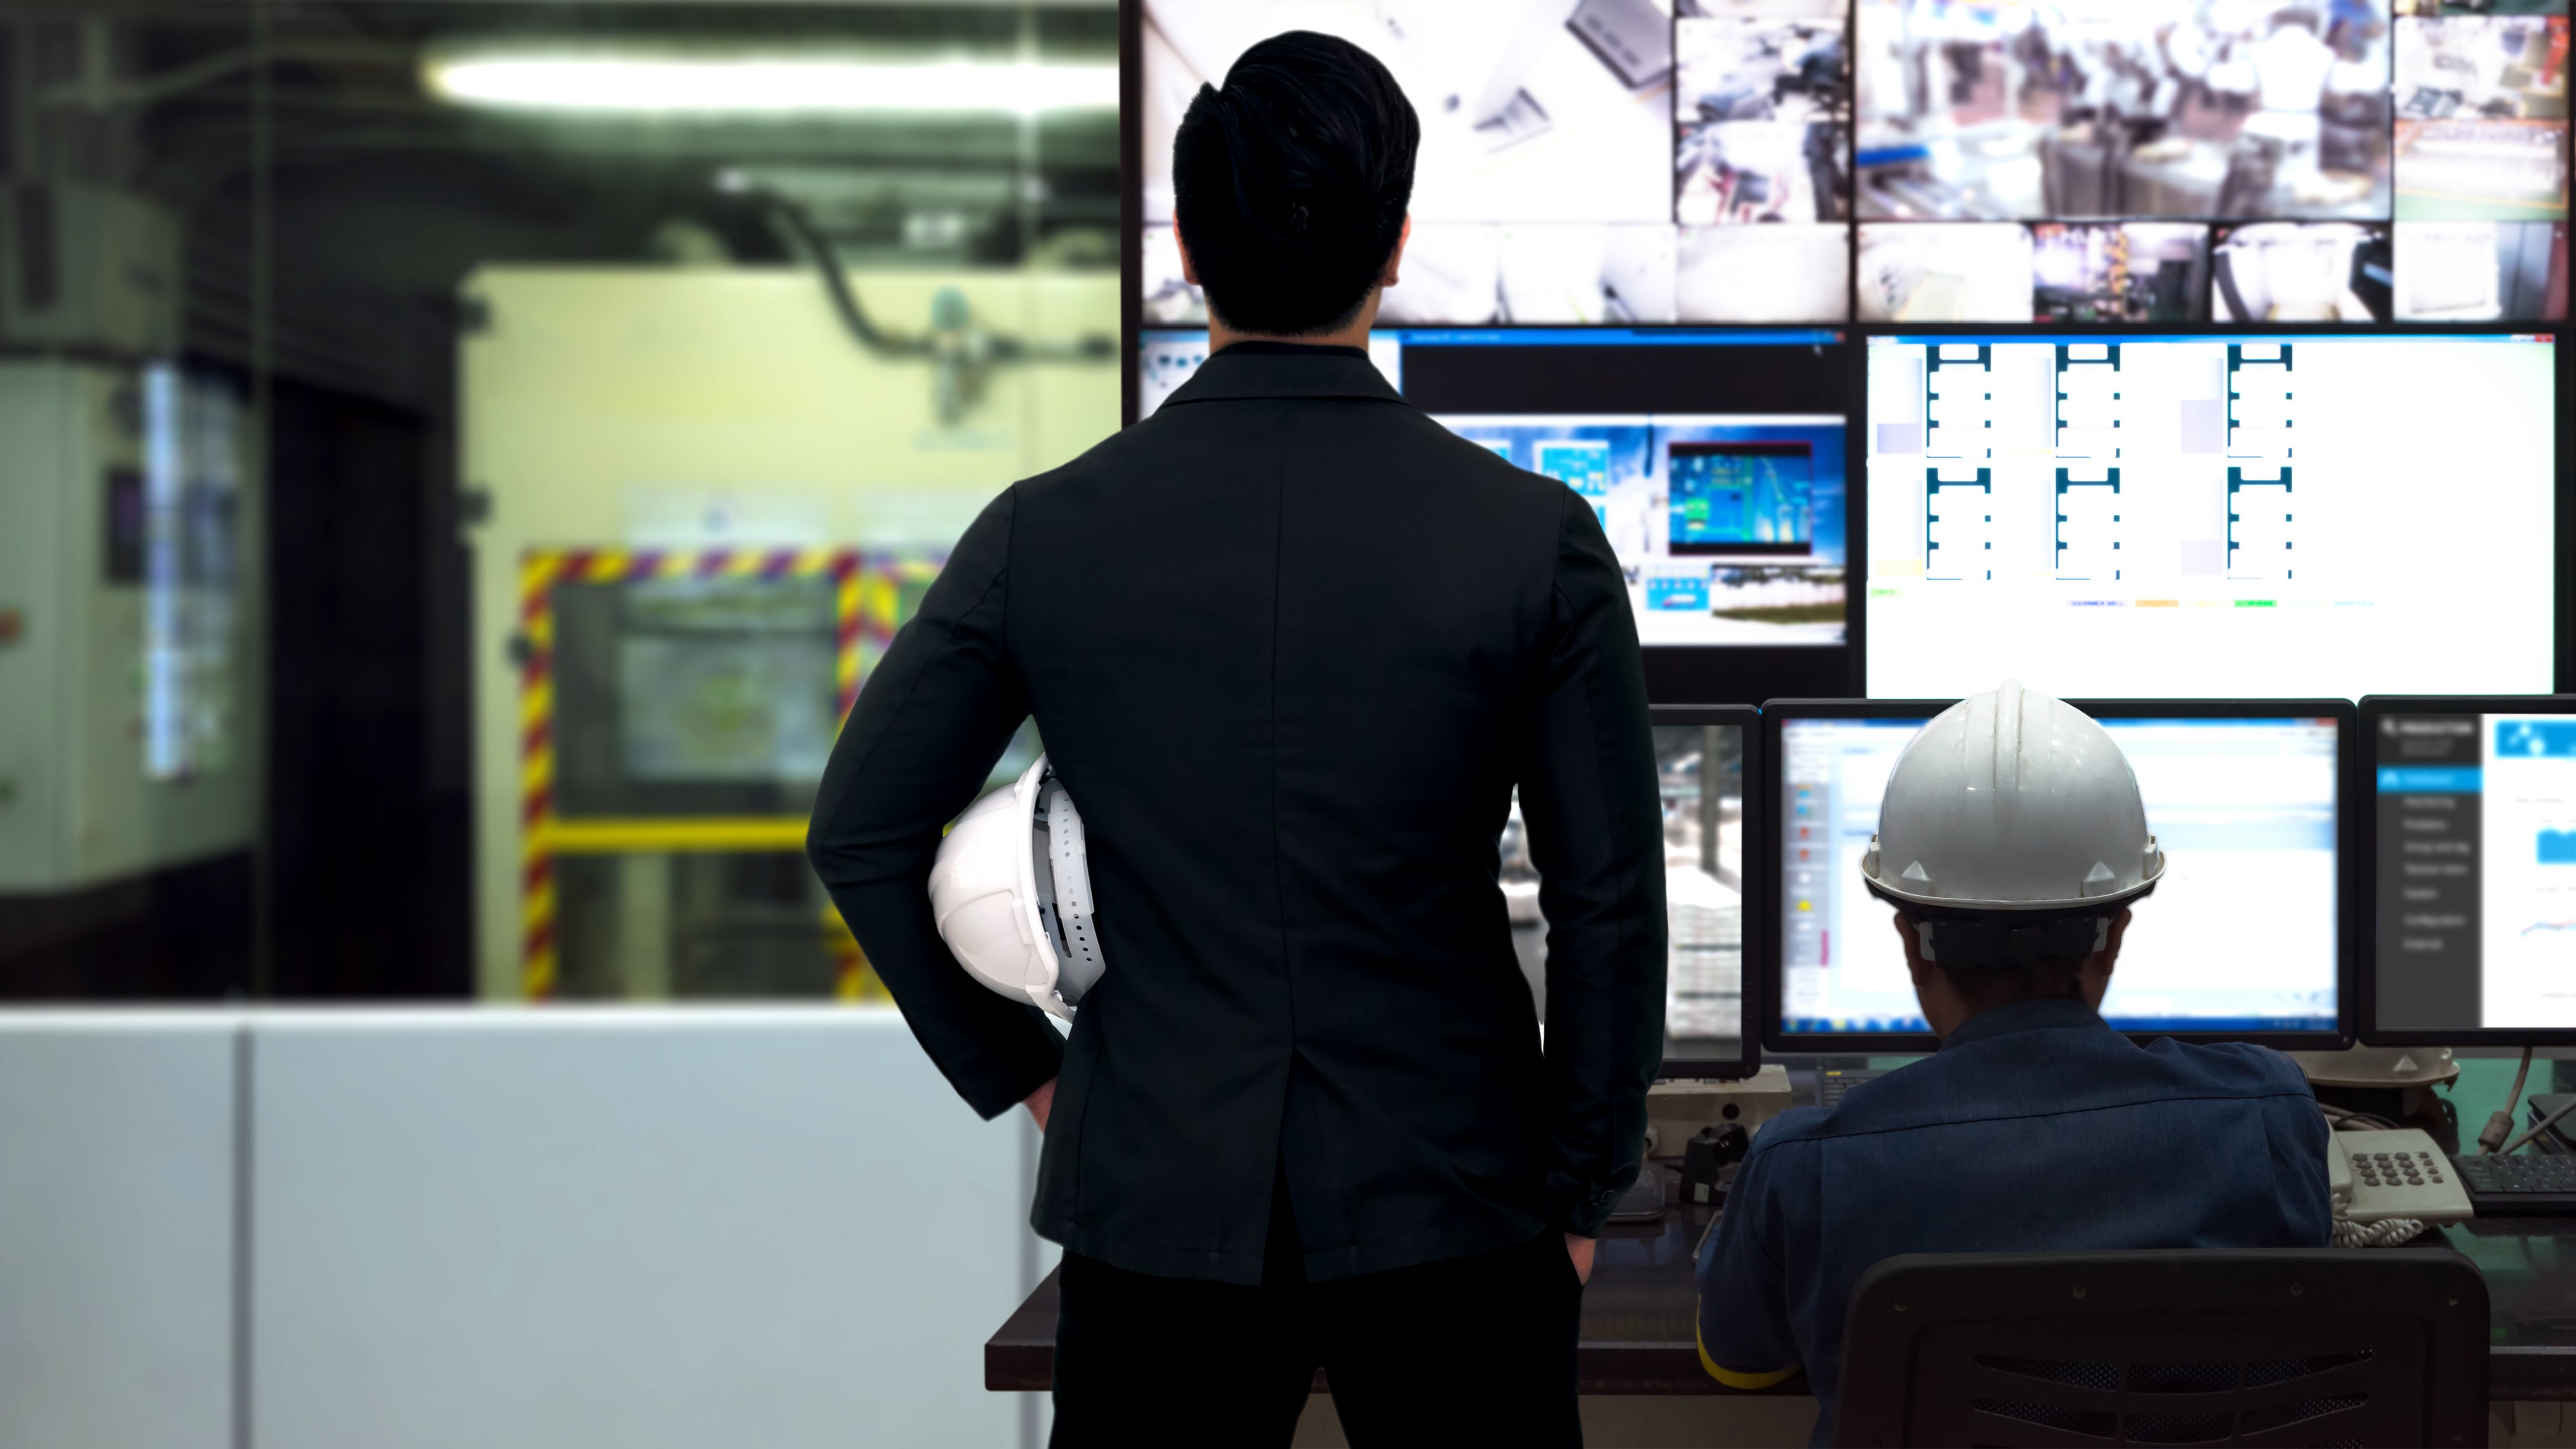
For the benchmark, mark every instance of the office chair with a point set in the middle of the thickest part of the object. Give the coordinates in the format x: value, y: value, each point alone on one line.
x: 2310, y: 1347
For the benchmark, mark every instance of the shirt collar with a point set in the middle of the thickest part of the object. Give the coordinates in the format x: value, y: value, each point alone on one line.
x: 2039, y: 1014
x: 1284, y: 369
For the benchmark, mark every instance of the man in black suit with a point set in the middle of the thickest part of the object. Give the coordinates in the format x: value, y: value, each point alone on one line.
x: 1291, y: 646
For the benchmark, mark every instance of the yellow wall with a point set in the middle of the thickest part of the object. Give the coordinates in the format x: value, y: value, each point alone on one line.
x: 624, y: 407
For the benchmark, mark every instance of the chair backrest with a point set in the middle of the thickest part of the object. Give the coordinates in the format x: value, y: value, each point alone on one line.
x: 2314, y: 1347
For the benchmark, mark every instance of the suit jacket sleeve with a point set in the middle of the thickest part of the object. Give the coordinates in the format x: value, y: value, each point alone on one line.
x: 934, y: 716
x: 1589, y: 793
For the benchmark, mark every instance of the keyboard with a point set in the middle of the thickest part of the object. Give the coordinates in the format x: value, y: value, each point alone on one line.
x: 2523, y: 1185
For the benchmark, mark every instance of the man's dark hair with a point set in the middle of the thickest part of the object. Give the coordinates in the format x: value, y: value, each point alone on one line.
x: 1291, y: 183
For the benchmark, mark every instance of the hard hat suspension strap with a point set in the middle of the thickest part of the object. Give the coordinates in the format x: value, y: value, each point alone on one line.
x: 1992, y: 944
x: 1067, y: 863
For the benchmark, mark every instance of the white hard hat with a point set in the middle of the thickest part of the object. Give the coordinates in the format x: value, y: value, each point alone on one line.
x: 1011, y: 891
x: 2013, y: 801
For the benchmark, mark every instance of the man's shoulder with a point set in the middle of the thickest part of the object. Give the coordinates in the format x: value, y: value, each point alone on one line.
x: 1413, y: 448
x: 2239, y: 1068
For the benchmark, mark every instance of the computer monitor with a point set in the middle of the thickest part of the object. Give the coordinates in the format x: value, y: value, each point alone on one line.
x: 1714, y: 461
x: 2471, y: 846
x: 1703, y: 760
x: 2207, y: 514
x: 2243, y: 940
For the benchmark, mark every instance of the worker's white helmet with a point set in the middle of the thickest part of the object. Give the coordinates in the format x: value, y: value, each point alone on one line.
x: 1011, y: 891
x: 2012, y: 801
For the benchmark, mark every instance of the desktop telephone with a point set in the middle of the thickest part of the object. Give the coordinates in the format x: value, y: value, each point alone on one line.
x: 2397, y: 1174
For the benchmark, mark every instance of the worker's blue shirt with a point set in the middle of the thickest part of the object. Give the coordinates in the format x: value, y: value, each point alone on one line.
x: 2035, y: 1128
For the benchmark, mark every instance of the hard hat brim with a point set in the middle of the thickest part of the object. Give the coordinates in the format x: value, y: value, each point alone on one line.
x: 2129, y: 892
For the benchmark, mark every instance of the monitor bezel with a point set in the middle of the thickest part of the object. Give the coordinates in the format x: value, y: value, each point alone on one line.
x: 1749, y: 1059
x: 1766, y: 817
x: 2365, y: 784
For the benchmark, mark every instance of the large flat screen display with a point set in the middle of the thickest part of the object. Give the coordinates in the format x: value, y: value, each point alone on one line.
x: 2164, y: 515
x: 1714, y: 461
x: 2241, y: 937
x: 2473, y: 845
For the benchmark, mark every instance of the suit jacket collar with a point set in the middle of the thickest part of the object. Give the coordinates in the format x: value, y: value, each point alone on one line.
x: 1284, y: 369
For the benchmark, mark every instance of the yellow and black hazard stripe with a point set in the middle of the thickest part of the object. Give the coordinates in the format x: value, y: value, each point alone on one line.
x: 866, y: 597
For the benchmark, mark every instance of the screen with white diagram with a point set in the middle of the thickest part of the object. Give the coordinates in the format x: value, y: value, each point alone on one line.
x: 2165, y: 516
x: 2239, y: 937
x: 2477, y: 871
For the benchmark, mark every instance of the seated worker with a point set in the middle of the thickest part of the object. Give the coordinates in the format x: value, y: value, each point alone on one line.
x: 2011, y: 841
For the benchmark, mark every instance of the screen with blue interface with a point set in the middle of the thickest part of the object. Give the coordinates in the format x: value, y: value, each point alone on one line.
x: 1714, y: 462
x: 2477, y: 871
x: 1742, y: 497
x: 2240, y: 936
x: 2172, y: 516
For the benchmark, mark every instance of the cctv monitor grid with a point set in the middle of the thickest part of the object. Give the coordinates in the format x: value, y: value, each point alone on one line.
x: 1923, y: 162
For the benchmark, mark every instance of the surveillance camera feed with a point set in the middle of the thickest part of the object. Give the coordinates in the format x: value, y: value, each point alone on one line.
x: 1701, y: 772
x: 2244, y: 809
x: 2148, y: 108
x: 1640, y: 162
x: 2164, y: 516
x: 2477, y: 869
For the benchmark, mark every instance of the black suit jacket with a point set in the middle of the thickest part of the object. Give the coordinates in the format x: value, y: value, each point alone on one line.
x: 1290, y: 645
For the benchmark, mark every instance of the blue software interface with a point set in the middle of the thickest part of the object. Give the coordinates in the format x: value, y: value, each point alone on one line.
x: 2477, y: 871
x: 1742, y: 497
x: 1713, y: 462
x: 2239, y: 937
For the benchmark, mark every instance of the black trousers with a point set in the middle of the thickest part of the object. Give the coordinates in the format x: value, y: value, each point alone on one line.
x: 1470, y: 1351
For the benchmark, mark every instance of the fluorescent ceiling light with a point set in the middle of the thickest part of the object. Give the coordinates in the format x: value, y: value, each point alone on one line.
x: 777, y: 85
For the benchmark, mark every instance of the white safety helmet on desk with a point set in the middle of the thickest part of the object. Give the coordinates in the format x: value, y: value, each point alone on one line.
x: 2012, y: 802
x: 1011, y: 892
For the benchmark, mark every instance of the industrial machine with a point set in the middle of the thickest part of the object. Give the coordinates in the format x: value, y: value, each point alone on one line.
x: 701, y: 502
x: 129, y: 709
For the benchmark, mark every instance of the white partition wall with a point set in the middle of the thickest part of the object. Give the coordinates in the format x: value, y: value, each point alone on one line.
x: 116, y: 1230
x: 627, y: 1227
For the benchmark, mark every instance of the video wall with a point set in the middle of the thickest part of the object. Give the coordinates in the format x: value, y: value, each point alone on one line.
x: 1901, y: 346
x: 1940, y: 161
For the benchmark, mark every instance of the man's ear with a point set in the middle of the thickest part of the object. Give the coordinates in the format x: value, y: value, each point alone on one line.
x: 1189, y: 269
x: 1396, y: 257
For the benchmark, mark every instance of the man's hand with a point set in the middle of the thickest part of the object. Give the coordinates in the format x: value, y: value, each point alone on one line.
x: 1042, y: 1100
x: 1577, y: 1247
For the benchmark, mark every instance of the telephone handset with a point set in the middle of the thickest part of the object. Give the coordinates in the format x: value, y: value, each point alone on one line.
x: 2396, y: 1174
